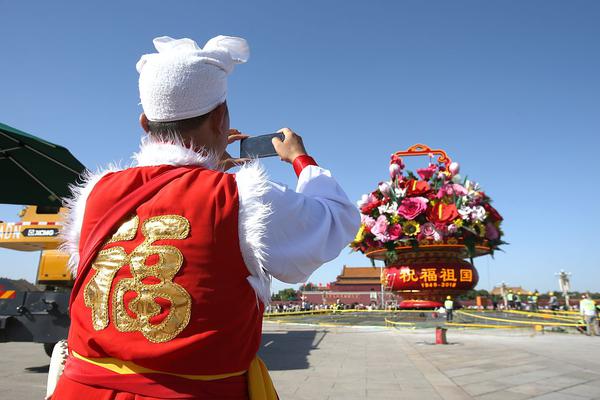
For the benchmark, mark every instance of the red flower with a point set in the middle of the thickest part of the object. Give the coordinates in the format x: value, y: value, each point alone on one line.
x: 367, y: 208
x: 417, y: 188
x: 493, y: 213
x: 442, y: 213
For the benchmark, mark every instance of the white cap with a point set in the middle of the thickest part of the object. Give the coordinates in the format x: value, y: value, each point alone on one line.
x: 183, y: 80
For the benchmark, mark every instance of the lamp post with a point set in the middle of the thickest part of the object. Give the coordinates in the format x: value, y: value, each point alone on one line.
x: 564, y: 282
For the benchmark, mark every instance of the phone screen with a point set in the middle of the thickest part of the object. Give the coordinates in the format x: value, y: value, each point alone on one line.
x: 259, y: 146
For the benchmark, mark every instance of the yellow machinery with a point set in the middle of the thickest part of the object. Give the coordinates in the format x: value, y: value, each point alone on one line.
x: 36, y: 313
x: 38, y: 230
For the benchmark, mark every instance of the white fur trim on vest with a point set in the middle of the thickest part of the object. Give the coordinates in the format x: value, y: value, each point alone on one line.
x: 155, y: 152
x: 75, y: 205
x: 252, y: 185
x: 152, y: 152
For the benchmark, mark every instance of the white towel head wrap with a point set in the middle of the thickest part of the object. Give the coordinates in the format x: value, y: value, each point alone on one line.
x: 183, y: 80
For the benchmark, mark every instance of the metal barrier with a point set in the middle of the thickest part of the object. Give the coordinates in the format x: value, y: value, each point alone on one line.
x: 514, y: 321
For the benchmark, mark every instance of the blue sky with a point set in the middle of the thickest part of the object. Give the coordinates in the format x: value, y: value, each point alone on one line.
x: 510, y: 89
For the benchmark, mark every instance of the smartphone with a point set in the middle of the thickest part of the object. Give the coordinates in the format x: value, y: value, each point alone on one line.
x: 259, y: 146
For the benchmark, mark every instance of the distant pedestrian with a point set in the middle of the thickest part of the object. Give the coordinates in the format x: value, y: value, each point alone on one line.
x: 535, y: 299
x: 449, y: 306
x: 518, y: 301
x: 587, y: 309
x: 553, y: 302
x: 511, y: 299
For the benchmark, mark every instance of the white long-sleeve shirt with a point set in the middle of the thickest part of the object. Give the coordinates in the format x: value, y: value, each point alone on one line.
x: 309, y: 226
x: 283, y: 233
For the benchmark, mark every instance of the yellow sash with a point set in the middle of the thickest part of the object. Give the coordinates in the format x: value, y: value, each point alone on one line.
x: 260, y: 386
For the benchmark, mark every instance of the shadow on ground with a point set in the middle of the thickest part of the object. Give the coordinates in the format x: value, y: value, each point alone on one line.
x: 38, y: 370
x: 289, y: 350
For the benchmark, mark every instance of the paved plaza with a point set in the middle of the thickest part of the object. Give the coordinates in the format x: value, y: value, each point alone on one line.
x: 330, y: 362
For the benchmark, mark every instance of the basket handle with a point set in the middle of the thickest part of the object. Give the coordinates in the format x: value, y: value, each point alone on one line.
x: 424, y: 150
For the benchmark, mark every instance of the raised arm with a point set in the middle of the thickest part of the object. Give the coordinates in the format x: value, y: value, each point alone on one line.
x: 292, y: 233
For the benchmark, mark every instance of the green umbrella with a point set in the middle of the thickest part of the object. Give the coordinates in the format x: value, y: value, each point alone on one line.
x: 33, y: 171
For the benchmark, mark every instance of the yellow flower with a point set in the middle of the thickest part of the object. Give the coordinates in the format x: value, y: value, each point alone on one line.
x: 458, y: 223
x: 395, y: 219
x: 411, y: 228
x: 360, y: 235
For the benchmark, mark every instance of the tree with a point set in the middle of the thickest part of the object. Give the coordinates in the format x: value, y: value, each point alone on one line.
x: 285, y: 295
x: 309, y: 287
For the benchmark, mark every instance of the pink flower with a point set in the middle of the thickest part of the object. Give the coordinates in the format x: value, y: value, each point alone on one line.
x: 395, y: 170
x: 429, y: 231
x: 452, y: 229
x: 451, y: 188
x: 384, y: 188
x: 397, y: 160
x: 394, y: 231
x: 427, y: 173
x: 367, y: 221
x: 412, y: 207
x: 380, y: 229
x: 366, y: 199
x: 454, y: 168
x: 459, y: 190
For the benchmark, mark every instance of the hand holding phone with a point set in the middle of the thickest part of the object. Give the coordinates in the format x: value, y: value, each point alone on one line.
x: 259, y: 146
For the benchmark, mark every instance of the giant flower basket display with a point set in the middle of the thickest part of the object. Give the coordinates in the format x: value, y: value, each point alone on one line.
x: 424, y: 226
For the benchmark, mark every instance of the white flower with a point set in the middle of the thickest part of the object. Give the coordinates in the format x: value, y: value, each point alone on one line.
x: 400, y: 193
x: 478, y: 213
x: 390, y: 209
x: 472, y: 187
x: 465, y: 212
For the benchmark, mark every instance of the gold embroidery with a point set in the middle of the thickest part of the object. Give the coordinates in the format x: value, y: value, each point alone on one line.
x: 107, y: 264
x: 144, y: 305
x: 126, y: 231
x: 149, y: 282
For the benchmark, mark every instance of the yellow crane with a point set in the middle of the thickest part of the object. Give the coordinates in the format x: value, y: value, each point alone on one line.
x: 36, y: 313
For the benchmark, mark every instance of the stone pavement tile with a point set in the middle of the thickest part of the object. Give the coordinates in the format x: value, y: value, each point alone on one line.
x: 462, y: 371
x: 358, y: 392
x: 503, y: 395
x: 384, y: 394
x: 478, y: 388
x: 594, y: 383
x: 585, y: 374
x: 559, y: 396
x: 530, y: 376
x: 562, y: 382
x: 321, y: 383
x: 340, y: 397
x: 584, y: 389
x: 494, y: 374
x: 532, y: 389
x: 382, y: 385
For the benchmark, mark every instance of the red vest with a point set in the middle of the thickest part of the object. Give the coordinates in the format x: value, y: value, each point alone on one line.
x: 169, y: 290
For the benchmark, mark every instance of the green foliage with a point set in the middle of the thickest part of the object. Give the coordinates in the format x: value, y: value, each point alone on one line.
x: 308, y: 287
x: 285, y: 295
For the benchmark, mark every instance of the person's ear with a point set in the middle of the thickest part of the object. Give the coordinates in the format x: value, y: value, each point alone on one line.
x: 217, y: 117
x: 144, y: 122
